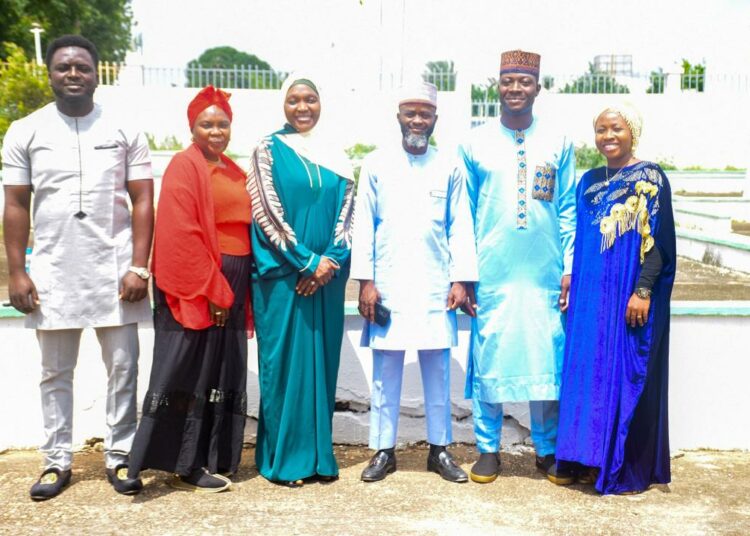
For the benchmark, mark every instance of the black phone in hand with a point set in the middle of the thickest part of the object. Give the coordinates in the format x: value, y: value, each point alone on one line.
x: 382, y: 314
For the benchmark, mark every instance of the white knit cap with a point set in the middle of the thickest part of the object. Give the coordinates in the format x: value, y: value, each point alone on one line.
x: 418, y: 92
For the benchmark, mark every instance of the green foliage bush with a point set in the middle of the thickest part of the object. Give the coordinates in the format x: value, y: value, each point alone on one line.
x: 356, y: 153
x: 168, y: 143
x: 23, y: 87
x: 589, y: 157
x: 594, y: 82
x: 666, y: 164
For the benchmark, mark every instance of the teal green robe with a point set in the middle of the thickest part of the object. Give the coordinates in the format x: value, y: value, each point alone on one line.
x: 301, y: 210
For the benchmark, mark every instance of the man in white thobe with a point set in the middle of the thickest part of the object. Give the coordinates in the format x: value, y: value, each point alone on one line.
x: 413, y: 253
x: 89, y: 267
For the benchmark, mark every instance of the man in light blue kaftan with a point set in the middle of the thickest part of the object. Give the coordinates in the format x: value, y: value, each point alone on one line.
x: 521, y: 184
x: 413, y: 251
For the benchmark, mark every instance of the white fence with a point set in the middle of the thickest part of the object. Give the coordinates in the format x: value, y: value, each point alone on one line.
x: 708, y: 396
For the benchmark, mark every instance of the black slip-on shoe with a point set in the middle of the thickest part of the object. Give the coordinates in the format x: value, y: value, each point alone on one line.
x: 200, y: 481
x: 443, y: 464
x: 50, y: 484
x: 381, y: 464
x: 543, y: 463
x: 562, y: 474
x: 118, y: 477
x: 486, y: 469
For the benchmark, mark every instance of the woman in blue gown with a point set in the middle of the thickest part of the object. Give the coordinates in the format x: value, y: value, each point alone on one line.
x: 613, y: 428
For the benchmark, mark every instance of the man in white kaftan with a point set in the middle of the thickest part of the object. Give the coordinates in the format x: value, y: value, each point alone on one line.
x: 413, y: 251
x: 521, y: 183
x: 89, y: 265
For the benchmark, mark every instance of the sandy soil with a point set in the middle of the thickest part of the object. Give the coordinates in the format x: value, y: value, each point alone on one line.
x: 709, y: 494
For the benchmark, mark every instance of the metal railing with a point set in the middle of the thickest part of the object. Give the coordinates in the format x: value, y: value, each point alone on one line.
x: 236, y: 77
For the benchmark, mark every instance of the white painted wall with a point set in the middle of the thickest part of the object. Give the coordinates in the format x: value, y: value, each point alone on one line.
x: 708, y: 391
x: 706, y: 129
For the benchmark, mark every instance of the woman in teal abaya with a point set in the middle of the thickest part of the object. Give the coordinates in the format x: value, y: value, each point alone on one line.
x: 301, y: 232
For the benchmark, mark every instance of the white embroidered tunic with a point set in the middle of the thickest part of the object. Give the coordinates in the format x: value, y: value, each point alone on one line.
x: 78, y: 165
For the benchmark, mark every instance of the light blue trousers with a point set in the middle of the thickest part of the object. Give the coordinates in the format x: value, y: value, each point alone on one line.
x: 488, y: 423
x: 387, y: 373
x: 59, y: 347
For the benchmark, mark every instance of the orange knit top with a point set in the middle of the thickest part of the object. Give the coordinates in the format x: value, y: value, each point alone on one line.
x: 232, y: 210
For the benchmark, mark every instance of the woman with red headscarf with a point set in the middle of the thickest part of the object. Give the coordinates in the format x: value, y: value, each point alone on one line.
x: 194, y: 411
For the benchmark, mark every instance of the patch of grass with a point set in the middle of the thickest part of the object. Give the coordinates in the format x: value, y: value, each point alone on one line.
x: 685, y: 193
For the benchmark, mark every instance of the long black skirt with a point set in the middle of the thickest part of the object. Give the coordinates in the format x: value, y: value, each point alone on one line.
x: 194, y: 410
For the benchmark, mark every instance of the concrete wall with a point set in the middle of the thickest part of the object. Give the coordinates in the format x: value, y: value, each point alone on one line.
x: 688, y: 128
x: 708, y: 393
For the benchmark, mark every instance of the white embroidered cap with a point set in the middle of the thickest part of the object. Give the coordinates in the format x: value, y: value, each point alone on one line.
x: 418, y: 92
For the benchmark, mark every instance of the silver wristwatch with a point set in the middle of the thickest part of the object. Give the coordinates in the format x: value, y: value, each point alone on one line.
x: 141, y: 272
x: 643, y: 293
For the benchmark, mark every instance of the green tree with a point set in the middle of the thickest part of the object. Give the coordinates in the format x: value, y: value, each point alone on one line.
x: 595, y: 82
x: 105, y: 22
x: 22, y: 90
x: 241, y: 70
x: 589, y: 157
x: 356, y: 154
x: 228, y: 57
x: 441, y: 73
x: 692, y: 75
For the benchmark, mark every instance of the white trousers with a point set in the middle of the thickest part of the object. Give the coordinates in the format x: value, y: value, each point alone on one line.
x: 119, y: 346
x: 387, y: 375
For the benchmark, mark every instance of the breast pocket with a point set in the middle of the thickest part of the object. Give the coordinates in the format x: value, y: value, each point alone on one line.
x: 544, y: 183
x: 438, y: 200
x: 107, y: 155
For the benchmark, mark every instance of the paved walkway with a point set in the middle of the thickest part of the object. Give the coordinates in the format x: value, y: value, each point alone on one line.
x: 710, y: 494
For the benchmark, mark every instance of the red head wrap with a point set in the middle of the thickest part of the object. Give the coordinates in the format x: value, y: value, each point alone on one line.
x: 208, y: 96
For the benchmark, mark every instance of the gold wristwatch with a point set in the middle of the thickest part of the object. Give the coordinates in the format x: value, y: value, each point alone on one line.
x: 141, y: 272
x: 643, y: 293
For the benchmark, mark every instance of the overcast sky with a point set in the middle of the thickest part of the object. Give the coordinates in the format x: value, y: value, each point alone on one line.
x: 356, y: 42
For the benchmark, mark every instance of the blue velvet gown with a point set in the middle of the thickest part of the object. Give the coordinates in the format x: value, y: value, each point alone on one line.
x: 613, y: 400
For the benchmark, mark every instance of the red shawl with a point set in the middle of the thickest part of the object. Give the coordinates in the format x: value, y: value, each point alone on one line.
x: 186, y: 261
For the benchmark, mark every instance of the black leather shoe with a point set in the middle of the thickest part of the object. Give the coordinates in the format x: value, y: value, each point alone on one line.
x: 486, y: 469
x: 443, y: 464
x: 118, y: 477
x: 562, y: 474
x: 379, y: 467
x: 50, y: 484
x: 543, y: 463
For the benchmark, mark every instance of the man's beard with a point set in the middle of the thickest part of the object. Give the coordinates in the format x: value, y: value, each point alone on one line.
x: 416, y: 141
x: 75, y: 100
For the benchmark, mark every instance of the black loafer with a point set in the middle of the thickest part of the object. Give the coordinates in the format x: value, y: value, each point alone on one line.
x: 543, y: 463
x: 443, y: 464
x: 486, y: 469
x: 118, y: 477
x: 381, y: 464
x: 50, y: 484
x: 562, y: 474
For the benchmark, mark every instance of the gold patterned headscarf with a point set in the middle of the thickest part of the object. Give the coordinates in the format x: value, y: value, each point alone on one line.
x: 630, y: 115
